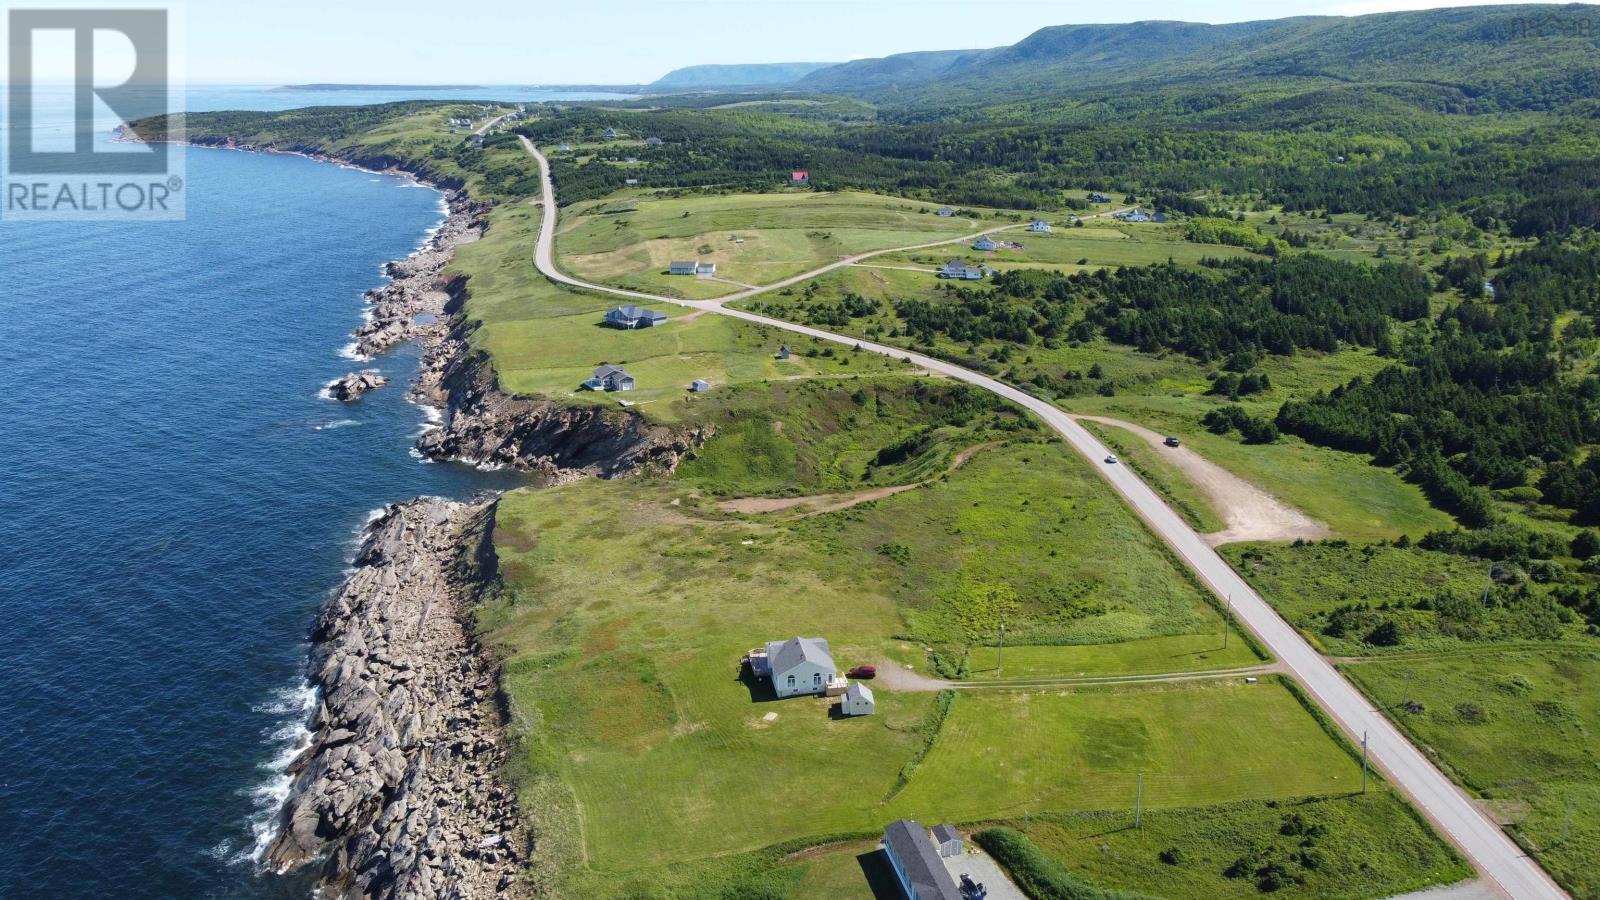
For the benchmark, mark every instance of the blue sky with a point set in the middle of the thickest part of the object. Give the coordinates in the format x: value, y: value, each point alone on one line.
x: 624, y: 41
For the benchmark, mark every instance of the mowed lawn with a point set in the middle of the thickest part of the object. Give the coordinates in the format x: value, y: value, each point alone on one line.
x: 629, y: 241
x: 546, y: 339
x: 1066, y: 249
x: 1522, y: 729
x: 1006, y: 753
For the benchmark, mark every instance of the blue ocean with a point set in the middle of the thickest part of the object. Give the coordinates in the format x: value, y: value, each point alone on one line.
x: 178, y: 500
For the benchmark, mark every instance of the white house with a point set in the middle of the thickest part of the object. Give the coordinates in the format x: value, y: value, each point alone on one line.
x: 705, y: 268
x: 1039, y: 226
x: 986, y: 243
x: 801, y: 667
x: 916, y: 863
x: 946, y: 212
x: 683, y: 267
x: 959, y: 270
x: 857, y: 700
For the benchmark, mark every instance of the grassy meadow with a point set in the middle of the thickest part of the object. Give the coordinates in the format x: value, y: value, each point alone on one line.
x: 1519, y: 728
x: 628, y: 241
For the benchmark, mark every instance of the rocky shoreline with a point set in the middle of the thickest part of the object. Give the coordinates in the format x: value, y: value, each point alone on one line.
x: 399, y: 789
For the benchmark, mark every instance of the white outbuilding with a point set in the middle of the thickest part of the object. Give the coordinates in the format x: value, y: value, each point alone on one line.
x: 857, y: 700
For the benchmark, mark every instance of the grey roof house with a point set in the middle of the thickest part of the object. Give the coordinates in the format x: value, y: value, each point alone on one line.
x: 801, y: 666
x: 630, y: 317
x: 916, y: 863
x: 958, y: 269
x: 609, y: 378
x: 946, y: 212
x: 683, y: 267
x: 986, y: 243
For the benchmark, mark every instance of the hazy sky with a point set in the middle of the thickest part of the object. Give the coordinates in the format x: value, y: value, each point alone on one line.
x: 626, y: 41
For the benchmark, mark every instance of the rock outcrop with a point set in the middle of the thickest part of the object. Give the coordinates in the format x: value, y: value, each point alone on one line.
x: 399, y: 789
x: 351, y: 387
x: 555, y: 441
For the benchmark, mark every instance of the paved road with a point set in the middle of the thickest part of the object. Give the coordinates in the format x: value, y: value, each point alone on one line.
x: 1502, y: 864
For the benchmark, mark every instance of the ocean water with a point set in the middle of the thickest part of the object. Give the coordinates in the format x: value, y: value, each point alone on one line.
x: 178, y: 500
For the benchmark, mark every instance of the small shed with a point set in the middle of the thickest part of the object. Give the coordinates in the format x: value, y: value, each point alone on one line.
x: 947, y: 840
x: 705, y: 268
x: 857, y: 700
x: 783, y: 352
x: 946, y: 212
x: 700, y: 386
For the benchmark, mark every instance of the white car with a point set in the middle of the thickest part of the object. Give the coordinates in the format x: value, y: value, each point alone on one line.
x: 1111, y: 460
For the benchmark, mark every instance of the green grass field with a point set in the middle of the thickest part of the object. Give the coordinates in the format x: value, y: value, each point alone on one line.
x: 1522, y: 729
x: 1179, y: 492
x: 1339, y: 593
x: 1094, y: 246
x: 628, y: 241
x: 1014, y: 752
x: 546, y: 339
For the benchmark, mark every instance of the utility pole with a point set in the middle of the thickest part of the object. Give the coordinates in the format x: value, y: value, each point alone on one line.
x: 1363, y: 762
x: 1138, y: 802
x: 1407, y: 700
x: 1227, y: 614
x: 999, y: 652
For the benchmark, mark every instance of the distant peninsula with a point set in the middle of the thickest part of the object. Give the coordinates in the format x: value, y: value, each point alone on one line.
x: 380, y: 87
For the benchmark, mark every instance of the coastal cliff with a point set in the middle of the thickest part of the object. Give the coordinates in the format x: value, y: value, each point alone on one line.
x: 398, y: 789
x: 557, y: 442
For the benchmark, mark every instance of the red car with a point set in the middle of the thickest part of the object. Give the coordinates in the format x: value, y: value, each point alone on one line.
x: 863, y: 672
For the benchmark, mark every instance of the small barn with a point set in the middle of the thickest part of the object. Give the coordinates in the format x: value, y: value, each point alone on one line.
x: 683, y: 267
x: 800, y: 176
x: 705, y: 268
x: 783, y: 352
x: 700, y: 386
x: 947, y: 840
x: 857, y: 700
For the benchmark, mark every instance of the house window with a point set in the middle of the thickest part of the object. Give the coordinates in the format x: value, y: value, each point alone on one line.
x: 791, y: 681
x: 816, y: 679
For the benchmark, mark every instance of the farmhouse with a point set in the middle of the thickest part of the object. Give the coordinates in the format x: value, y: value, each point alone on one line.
x: 1039, y: 226
x: 958, y: 269
x: 629, y: 317
x: 916, y: 864
x: 986, y: 243
x: 857, y: 700
x: 946, y: 212
x: 683, y: 267
x: 609, y: 378
x: 801, y: 667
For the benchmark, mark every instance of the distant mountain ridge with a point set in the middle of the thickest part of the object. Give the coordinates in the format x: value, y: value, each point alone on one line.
x: 1533, y: 55
x: 736, y: 75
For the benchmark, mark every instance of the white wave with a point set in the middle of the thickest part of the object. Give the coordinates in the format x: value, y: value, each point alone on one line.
x: 288, y: 738
x: 335, y: 425
x: 348, y: 351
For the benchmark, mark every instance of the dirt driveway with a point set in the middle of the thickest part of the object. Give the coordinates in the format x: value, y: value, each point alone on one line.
x: 1250, y: 513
